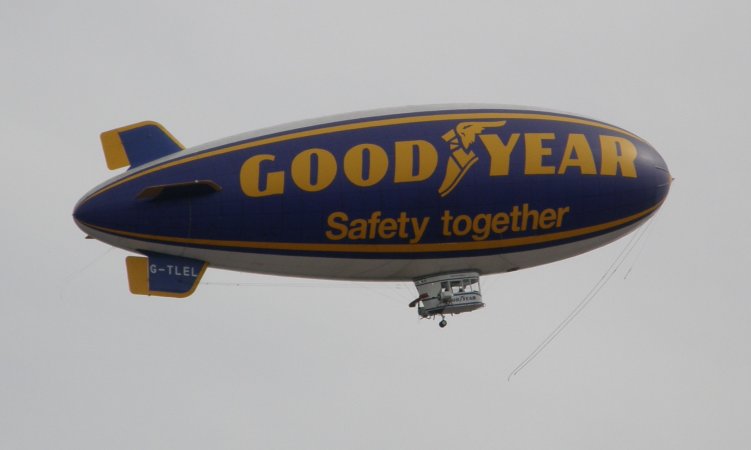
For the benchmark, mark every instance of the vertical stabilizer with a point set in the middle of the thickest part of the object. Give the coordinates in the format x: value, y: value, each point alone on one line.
x: 164, y: 275
x: 137, y: 144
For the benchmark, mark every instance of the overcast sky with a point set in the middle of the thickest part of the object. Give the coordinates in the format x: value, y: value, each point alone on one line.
x: 660, y: 359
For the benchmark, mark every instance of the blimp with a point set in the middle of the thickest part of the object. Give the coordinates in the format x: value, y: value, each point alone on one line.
x: 435, y: 195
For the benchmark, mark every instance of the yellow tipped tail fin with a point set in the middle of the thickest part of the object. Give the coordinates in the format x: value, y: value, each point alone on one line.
x: 164, y: 275
x: 137, y: 144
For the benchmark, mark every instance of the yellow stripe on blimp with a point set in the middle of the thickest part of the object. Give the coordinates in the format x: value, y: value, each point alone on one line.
x: 362, y: 125
x: 388, y: 248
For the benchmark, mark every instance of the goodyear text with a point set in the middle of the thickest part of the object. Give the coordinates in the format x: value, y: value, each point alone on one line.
x: 368, y: 164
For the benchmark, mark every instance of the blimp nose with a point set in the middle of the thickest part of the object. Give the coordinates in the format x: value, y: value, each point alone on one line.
x: 102, y: 209
x: 130, y: 209
x: 661, y: 177
x: 87, y: 213
x: 79, y: 213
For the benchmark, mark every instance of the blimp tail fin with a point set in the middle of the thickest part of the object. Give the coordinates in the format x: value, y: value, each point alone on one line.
x: 137, y: 144
x: 164, y: 275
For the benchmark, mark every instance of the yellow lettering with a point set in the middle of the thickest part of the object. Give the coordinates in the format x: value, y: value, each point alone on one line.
x: 515, y: 213
x: 387, y: 228
x: 547, y: 219
x: 404, y: 167
x: 334, y: 222
x: 358, y: 229
x: 354, y: 159
x: 520, y: 218
x: 403, y: 221
x: 578, y: 154
x: 481, y: 227
x: 500, y: 223
x: 375, y: 218
x: 531, y: 216
x: 376, y: 226
x: 418, y: 228
x: 499, y: 152
x: 535, y: 151
x: 617, y: 152
x: 303, y: 173
x: 250, y: 178
x: 446, y: 219
x: 462, y: 225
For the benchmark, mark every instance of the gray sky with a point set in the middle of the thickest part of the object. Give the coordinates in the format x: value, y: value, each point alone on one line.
x: 659, y: 360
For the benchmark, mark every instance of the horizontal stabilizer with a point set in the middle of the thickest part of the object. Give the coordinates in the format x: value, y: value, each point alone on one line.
x: 178, y: 190
x: 164, y: 275
x: 137, y: 144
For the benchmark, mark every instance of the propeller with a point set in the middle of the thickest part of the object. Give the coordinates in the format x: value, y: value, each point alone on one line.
x: 422, y: 296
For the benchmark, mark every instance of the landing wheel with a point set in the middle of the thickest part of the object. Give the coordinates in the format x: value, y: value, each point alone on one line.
x: 442, y: 323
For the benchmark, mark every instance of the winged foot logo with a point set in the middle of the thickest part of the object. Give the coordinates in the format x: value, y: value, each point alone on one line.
x: 462, y: 158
